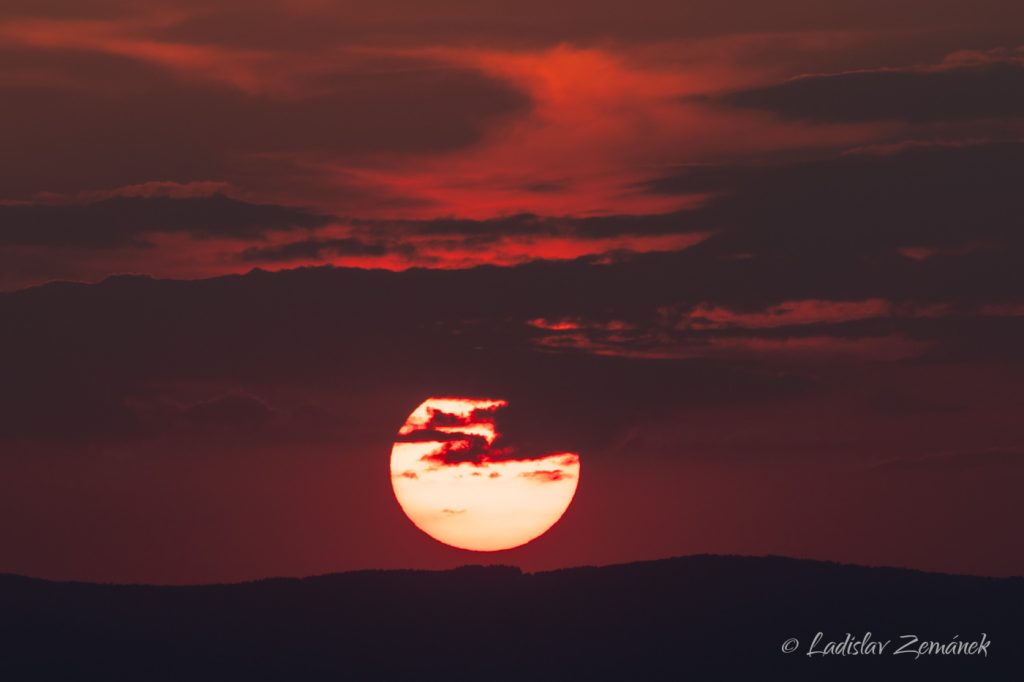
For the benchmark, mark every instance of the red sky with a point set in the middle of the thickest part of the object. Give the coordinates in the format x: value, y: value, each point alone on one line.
x: 402, y: 111
x: 757, y: 263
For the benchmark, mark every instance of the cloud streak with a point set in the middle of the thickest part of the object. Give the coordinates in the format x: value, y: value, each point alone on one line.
x: 122, y: 221
x: 948, y: 92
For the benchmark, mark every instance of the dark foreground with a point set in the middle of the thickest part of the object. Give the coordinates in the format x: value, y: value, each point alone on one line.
x: 693, y: 618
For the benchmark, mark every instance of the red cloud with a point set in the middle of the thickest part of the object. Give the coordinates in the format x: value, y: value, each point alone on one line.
x: 811, y: 311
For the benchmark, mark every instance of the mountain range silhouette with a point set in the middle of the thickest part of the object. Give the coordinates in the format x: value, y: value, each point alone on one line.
x: 688, y: 618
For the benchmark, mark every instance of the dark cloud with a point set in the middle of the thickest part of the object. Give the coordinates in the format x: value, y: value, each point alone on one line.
x: 546, y: 476
x: 529, y: 224
x: 882, y: 338
x: 839, y: 228
x: 230, y: 412
x: 371, y: 345
x: 452, y: 440
x: 383, y: 336
x: 132, y: 122
x: 512, y: 225
x: 828, y: 230
x: 994, y: 90
x: 318, y: 249
x: 545, y: 187
x: 123, y: 221
x: 460, y: 445
x: 534, y: 22
x: 465, y: 449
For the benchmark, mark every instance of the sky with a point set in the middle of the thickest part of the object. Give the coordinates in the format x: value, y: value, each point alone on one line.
x: 758, y: 264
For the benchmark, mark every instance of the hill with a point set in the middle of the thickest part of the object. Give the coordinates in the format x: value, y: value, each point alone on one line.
x: 696, y: 618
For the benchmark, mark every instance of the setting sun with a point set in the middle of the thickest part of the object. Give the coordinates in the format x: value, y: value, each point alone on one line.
x: 459, y: 488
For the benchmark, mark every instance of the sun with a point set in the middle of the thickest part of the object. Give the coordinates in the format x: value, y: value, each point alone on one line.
x: 458, y: 484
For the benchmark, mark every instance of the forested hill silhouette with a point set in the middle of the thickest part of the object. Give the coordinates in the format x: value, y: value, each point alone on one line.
x: 690, y: 618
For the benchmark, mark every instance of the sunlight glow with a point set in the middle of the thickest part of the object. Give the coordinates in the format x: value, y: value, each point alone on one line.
x: 494, y: 501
